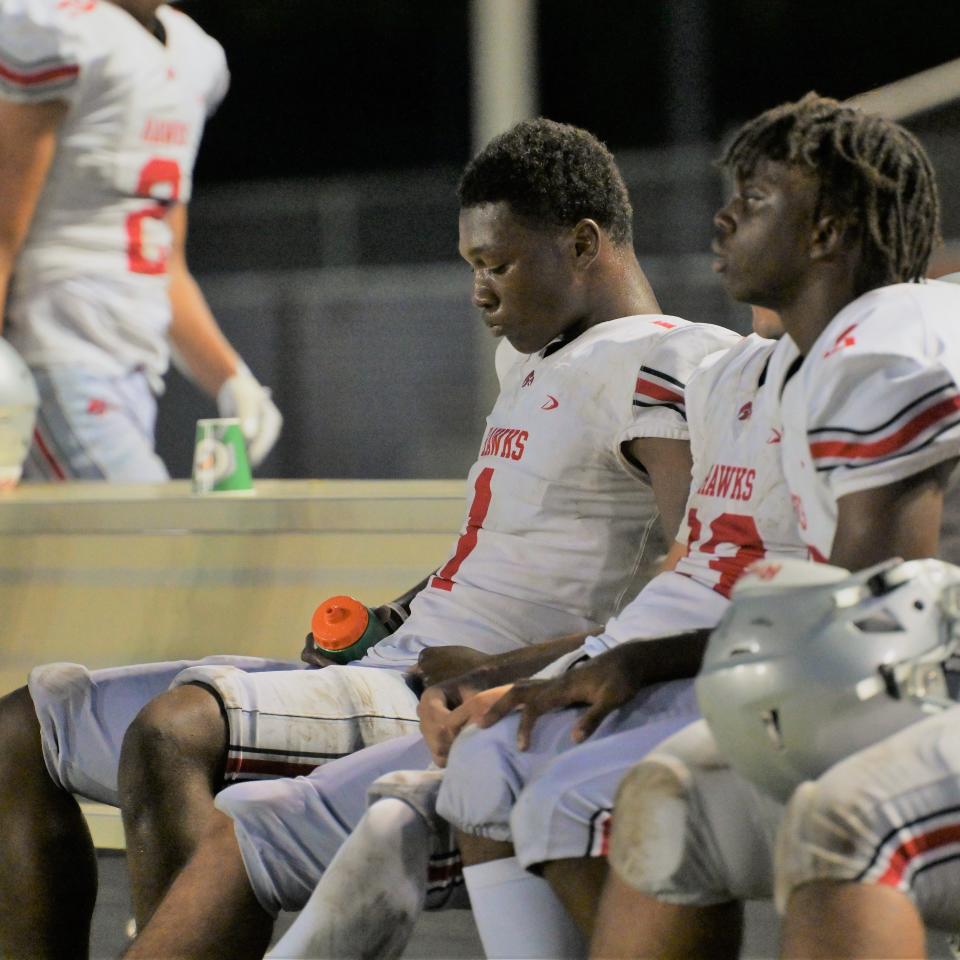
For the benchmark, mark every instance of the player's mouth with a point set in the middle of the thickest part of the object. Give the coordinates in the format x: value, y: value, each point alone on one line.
x: 495, y: 328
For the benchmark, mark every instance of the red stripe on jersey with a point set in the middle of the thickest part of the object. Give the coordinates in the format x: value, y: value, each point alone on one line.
x: 445, y: 872
x: 239, y: 766
x: 852, y: 450
x: 657, y: 392
x: 901, y: 858
x: 25, y: 78
x: 468, y: 539
x: 47, y: 454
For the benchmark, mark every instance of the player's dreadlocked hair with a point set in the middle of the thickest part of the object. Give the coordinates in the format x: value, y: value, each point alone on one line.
x: 868, y: 167
x: 554, y: 174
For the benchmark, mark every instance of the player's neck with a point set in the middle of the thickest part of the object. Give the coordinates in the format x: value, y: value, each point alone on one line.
x: 810, y: 314
x: 623, y: 290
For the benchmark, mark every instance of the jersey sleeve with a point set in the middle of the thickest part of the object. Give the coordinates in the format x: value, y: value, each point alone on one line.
x: 878, y: 417
x: 208, y: 62
x: 40, y: 60
x: 219, y: 78
x: 659, y: 403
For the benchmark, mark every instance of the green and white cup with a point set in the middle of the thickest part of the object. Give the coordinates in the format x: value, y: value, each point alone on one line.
x: 220, y: 463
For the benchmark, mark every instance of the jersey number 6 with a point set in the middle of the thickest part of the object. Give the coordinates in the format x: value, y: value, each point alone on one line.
x: 156, y: 171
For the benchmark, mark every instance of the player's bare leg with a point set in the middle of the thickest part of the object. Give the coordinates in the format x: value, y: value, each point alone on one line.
x: 834, y: 919
x: 48, y: 880
x: 631, y: 924
x: 578, y: 883
x: 170, y: 767
x: 475, y: 850
x: 210, y: 911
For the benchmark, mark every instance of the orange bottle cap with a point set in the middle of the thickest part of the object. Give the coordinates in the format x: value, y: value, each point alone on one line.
x: 339, y: 622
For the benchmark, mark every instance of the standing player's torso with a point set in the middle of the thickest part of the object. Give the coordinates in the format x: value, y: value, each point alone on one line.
x: 127, y: 145
x: 874, y: 401
x: 739, y: 508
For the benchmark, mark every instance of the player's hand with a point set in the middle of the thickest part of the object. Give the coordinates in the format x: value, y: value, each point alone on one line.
x: 439, y: 664
x: 311, y: 655
x: 391, y: 615
x: 441, y: 720
x: 241, y: 396
x: 602, y: 685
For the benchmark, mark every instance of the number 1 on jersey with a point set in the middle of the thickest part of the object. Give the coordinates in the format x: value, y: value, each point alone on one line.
x: 468, y: 539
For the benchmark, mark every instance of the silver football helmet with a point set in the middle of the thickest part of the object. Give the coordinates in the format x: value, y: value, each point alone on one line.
x: 18, y: 412
x: 810, y: 663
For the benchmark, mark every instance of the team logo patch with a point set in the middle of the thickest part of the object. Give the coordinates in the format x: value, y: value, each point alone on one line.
x: 745, y: 411
x: 551, y: 403
x: 527, y: 380
x: 843, y: 340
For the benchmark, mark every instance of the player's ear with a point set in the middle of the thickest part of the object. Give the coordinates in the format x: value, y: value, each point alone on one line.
x: 586, y: 243
x: 831, y: 232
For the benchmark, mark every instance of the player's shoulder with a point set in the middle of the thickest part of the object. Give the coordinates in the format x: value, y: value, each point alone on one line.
x: 646, y: 333
x: 750, y: 353
x: 183, y: 29
x: 199, y: 56
x: 903, y: 319
x: 42, y: 45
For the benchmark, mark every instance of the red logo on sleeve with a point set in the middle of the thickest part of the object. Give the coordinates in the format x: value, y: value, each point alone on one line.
x: 843, y: 340
x: 527, y: 380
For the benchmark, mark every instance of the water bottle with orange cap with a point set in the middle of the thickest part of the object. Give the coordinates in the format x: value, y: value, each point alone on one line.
x: 342, y: 629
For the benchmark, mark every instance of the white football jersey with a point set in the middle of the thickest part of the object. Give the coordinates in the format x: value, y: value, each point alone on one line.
x: 125, y: 153
x: 558, y: 518
x: 875, y: 401
x: 739, y: 508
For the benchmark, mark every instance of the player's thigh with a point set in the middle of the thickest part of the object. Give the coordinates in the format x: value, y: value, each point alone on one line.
x: 94, y: 428
x: 84, y: 714
x: 486, y: 771
x: 565, y: 811
x: 286, y: 723
x: 887, y: 815
x: 688, y: 830
x: 290, y: 829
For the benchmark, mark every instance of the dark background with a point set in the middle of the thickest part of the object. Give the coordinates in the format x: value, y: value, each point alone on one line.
x: 328, y: 87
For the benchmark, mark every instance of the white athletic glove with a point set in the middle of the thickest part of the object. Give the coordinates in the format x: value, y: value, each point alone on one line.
x: 244, y: 398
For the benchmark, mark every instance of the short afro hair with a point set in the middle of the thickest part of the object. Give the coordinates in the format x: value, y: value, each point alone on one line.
x: 553, y: 174
x: 868, y: 167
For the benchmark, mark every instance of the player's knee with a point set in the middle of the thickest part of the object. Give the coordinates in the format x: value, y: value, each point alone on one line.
x: 21, y: 756
x: 818, y: 838
x: 388, y: 822
x: 651, y: 823
x: 478, y: 792
x: 179, y: 731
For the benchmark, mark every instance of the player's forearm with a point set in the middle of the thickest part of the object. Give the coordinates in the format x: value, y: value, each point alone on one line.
x: 196, y: 336
x: 673, y: 657
x: 519, y: 664
x: 27, y: 148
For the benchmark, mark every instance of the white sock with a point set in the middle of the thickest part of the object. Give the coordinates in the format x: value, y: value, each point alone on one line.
x: 518, y: 915
x: 371, y: 895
